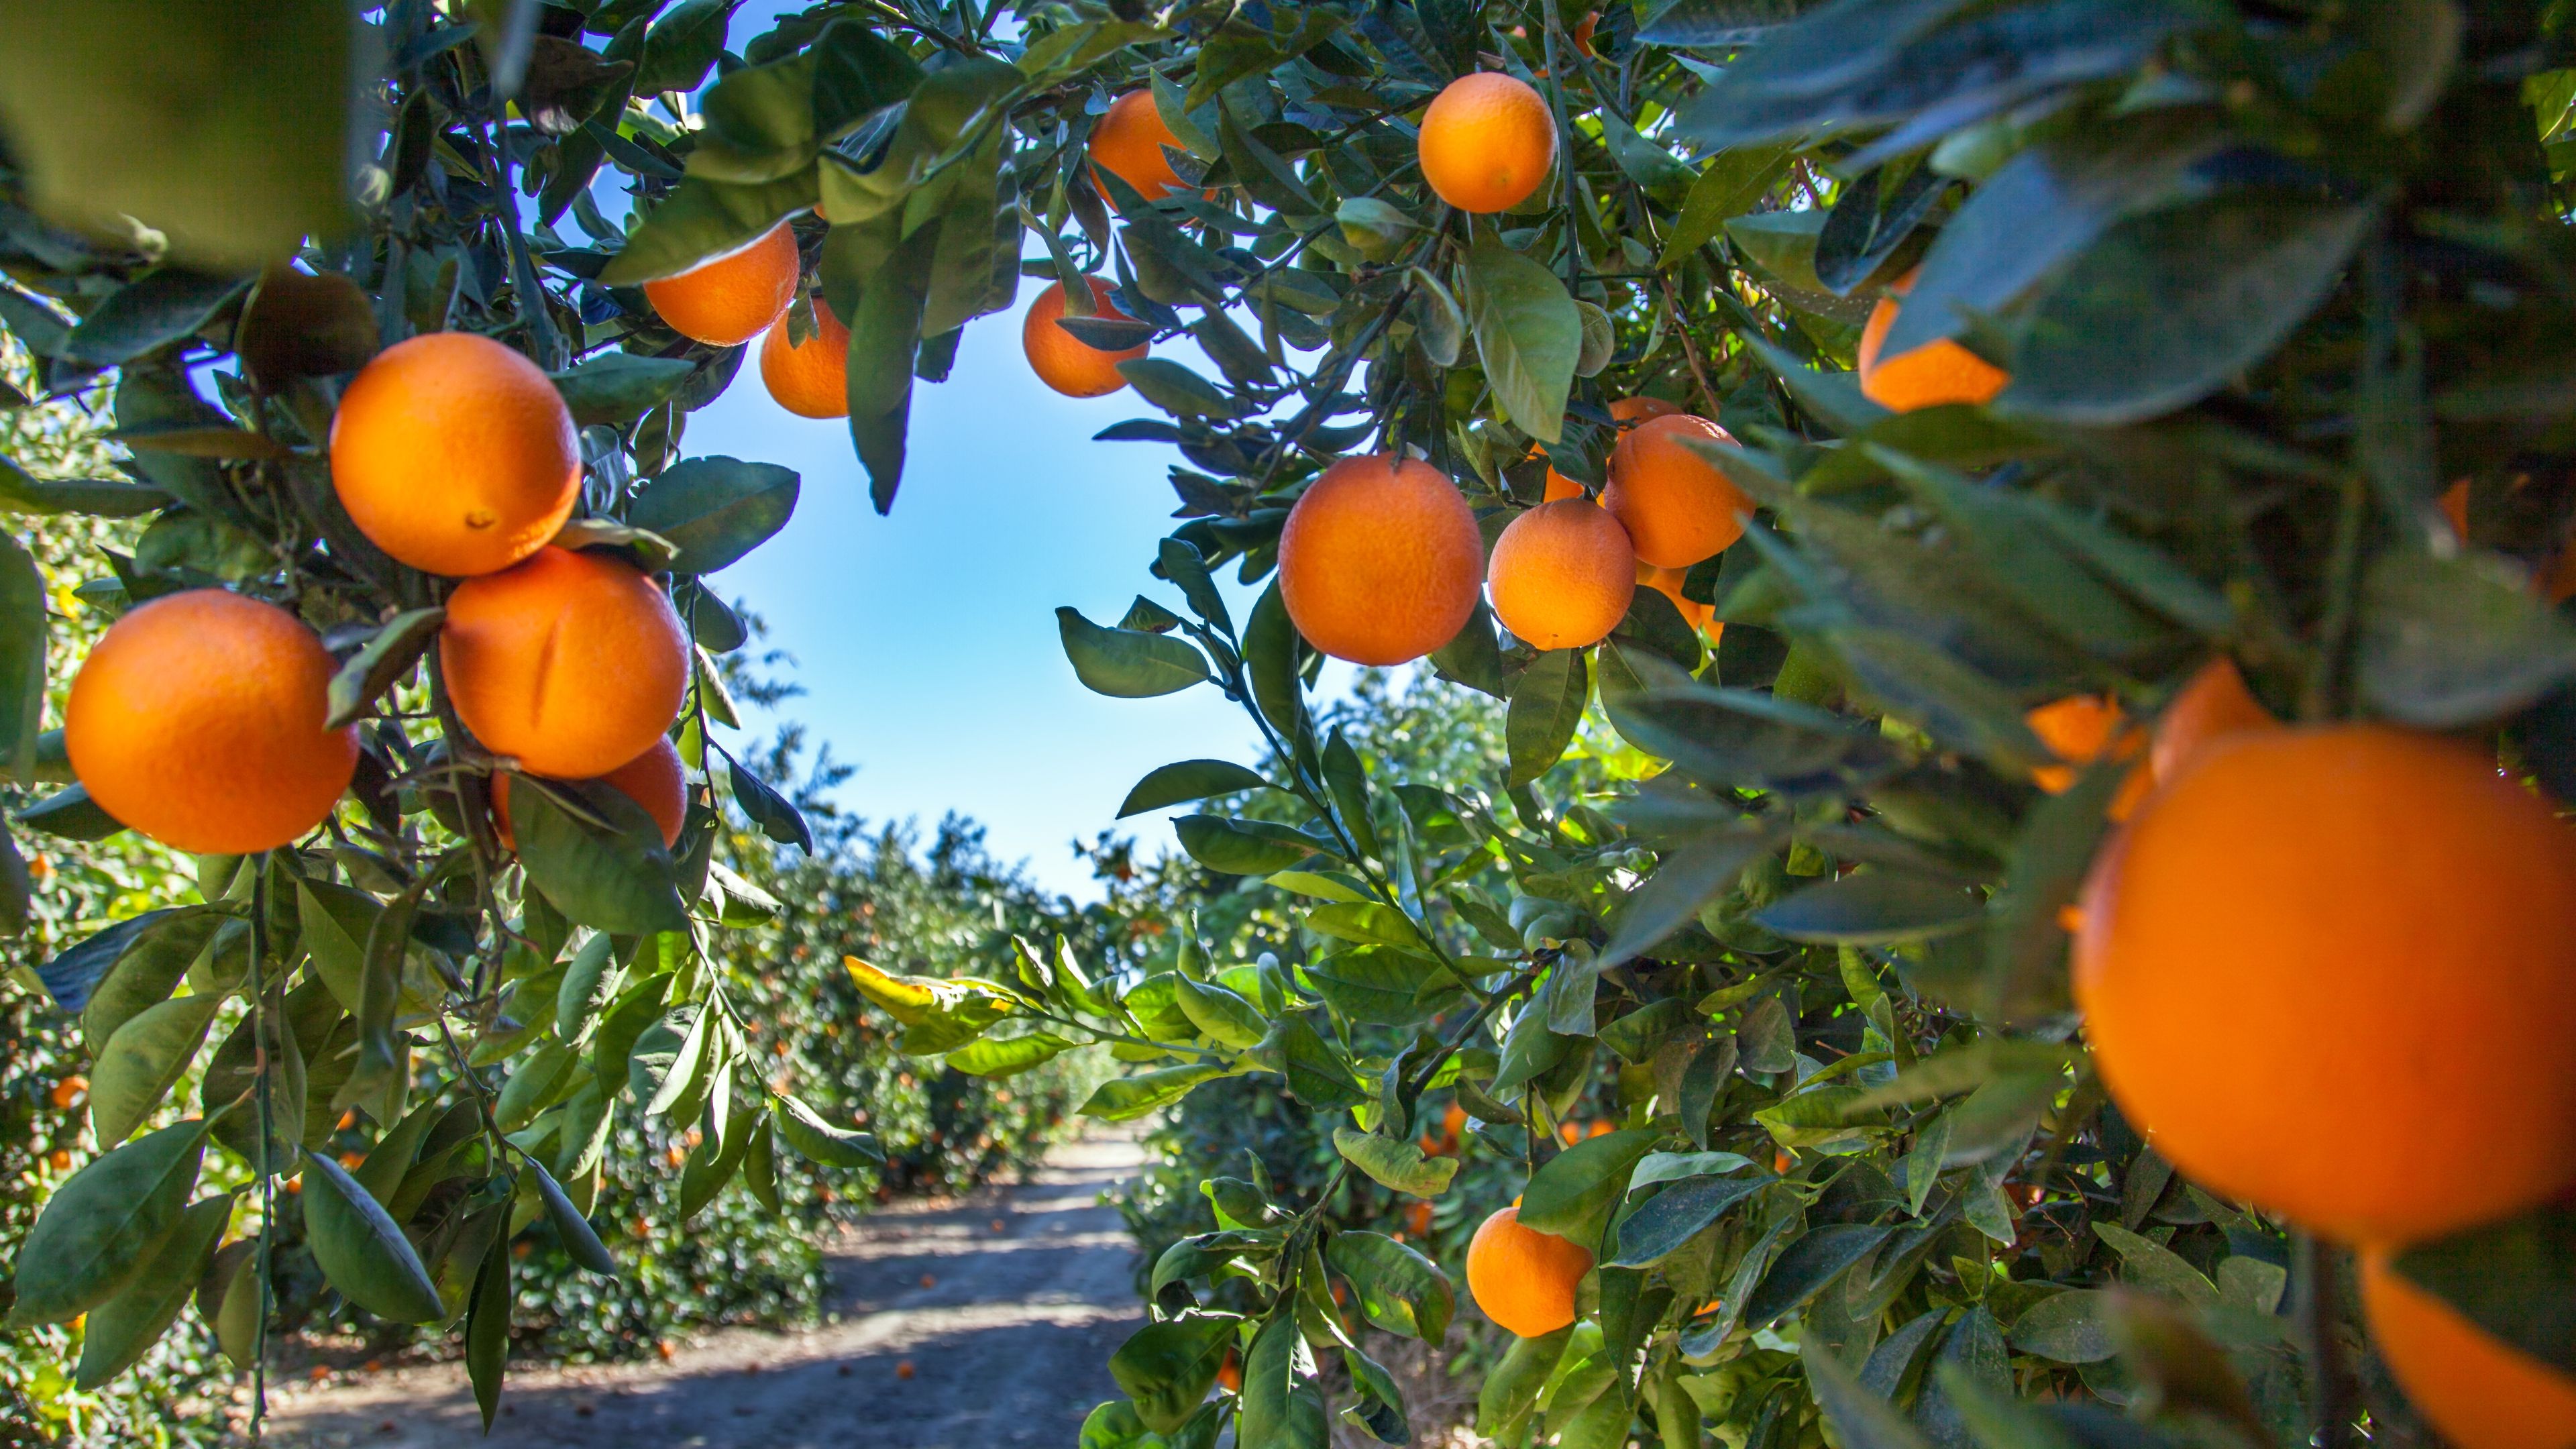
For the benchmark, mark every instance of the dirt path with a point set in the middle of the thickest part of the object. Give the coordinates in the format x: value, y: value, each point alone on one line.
x: 1009, y: 1345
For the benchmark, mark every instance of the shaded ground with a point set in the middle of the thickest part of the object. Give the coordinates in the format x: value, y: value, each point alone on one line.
x: 1005, y: 1308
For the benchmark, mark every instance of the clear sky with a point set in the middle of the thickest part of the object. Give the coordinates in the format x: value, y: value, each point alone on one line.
x: 926, y: 641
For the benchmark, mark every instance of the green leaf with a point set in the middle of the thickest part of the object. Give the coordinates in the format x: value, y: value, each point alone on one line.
x: 1528, y: 336
x: 71, y: 815
x: 2452, y: 642
x: 1008, y: 1056
x: 1809, y: 1263
x: 1572, y: 1196
x: 820, y: 1141
x: 22, y: 658
x: 1318, y: 1075
x: 1270, y: 657
x: 1676, y: 1215
x: 1220, y: 1013
x: 1168, y: 1367
x: 1731, y: 182
x: 1438, y: 325
x: 487, y: 1328
x: 1188, y: 780
x: 1874, y: 906
x: 1239, y: 848
x: 569, y: 1224
x: 1395, y: 1163
x: 142, y: 960
x: 98, y: 1229
x: 143, y: 1060
x: 1128, y: 663
x: 359, y: 1248
x: 682, y: 45
x: 610, y: 871
x: 382, y: 662
x: 2512, y: 1279
x: 1861, y: 1418
x: 1124, y: 1099
x: 1511, y: 1391
x: 1546, y: 709
x: 1398, y: 1288
x: 2148, y: 1262
x: 2168, y: 306
x: 1280, y: 1406
x: 1382, y: 986
x: 21, y: 492
x: 2071, y: 1327
x: 336, y: 921
x: 1685, y: 879
x: 123, y: 1328
x: 619, y: 387
x: 703, y: 219
x: 715, y: 510
x: 1175, y: 389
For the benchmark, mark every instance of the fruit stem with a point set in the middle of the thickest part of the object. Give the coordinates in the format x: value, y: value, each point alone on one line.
x: 2329, y: 1416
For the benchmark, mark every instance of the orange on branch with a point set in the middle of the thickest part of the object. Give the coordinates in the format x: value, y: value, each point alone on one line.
x: 729, y: 300
x: 1128, y: 141
x: 455, y: 454
x: 1379, y: 560
x: 810, y: 379
x: 1065, y: 362
x: 2079, y: 730
x: 571, y: 662
x: 197, y: 719
x: 2480, y: 1391
x: 654, y: 779
x: 1487, y: 142
x: 1627, y: 412
x: 2332, y: 971
x: 1562, y: 574
x: 1677, y: 507
x: 1522, y: 1278
x: 1937, y: 372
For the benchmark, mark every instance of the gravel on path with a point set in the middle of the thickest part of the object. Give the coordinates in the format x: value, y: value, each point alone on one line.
x: 953, y: 1334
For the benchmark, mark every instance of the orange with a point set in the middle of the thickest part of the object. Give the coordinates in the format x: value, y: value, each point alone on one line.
x: 70, y: 1092
x: 728, y: 301
x: 1678, y: 508
x: 1935, y: 373
x: 1230, y: 1372
x: 455, y: 454
x: 1562, y: 574
x: 2079, y: 730
x: 1065, y: 362
x: 811, y: 380
x: 653, y: 779
x: 571, y: 662
x: 1128, y: 140
x: 2480, y: 1391
x: 1668, y: 582
x: 1417, y: 1218
x: 1379, y: 560
x: 2332, y: 971
x: 197, y: 719
x: 2214, y: 704
x: 1453, y: 1125
x: 1487, y: 142
x: 1522, y: 1278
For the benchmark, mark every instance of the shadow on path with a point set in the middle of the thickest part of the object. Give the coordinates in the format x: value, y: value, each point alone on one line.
x: 1007, y: 1307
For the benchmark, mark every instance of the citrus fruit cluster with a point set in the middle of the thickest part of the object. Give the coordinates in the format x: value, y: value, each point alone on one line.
x: 201, y: 718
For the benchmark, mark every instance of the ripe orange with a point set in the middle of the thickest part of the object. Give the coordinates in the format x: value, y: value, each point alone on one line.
x: 1417, y: 1218
x: 1128, y: 140
x: 1230, y: 1373
x: 2214, y: 704
x: 2481, y: 1392
x: 572, y: 662
x: 1453, y: 1124
x: 2079, y: 730
x: 1522, y: 1278
x: 1379, y: 560
x: 1668, y: 582
x: 1928, y: 376
x: 2332, y: 971
x: 2454, y: 504
x: 653, y: 779
x: 811, y: 380
x: 1562, y: 574
x: 1065, y: 362
x: 197, y: 719
x: 1678, y: 508
x: 1487, y: 142
x: 729, y: 300
x: 455, y: 454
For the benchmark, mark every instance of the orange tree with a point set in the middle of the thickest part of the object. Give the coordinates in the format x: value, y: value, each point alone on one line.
x: 2119, y: 442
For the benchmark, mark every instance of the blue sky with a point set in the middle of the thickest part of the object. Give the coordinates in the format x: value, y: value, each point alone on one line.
x: 926, y: 641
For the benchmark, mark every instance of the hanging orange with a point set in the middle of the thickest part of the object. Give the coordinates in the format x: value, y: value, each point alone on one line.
x: 2331, y: 971
x: 574, y: 663
x: 1128, y: 141
x: 1379, y: 560
x: 654, y: 779
x: 2213, y: 705
x: 197, y: 719
x: 810, y: 379
x: 1065, y: 362
x: 2480, y: 1391
x: 1562, y: 574
x: 1677, y: 507
x: 1937, y: 372
x: 1522, y: 1278
x: 727, y: 301
x: 1487, y: 142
